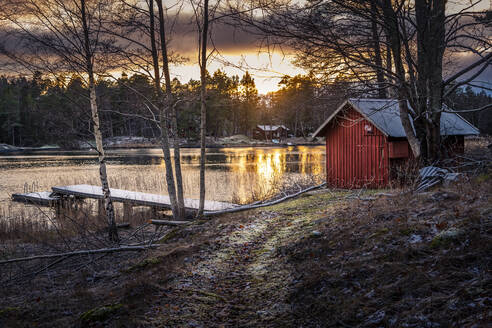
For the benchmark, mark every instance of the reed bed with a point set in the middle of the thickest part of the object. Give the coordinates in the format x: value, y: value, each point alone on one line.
x: 29, y: 222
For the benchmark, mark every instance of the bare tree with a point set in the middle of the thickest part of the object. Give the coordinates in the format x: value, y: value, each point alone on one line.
x: 55, y: 36
x: 345, y: 38
x: 136, y: 22
x: 201, y: 10
x: 203, y: 103
x: 174, y: 117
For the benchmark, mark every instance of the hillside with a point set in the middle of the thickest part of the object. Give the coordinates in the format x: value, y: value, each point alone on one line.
x: 323, y: 260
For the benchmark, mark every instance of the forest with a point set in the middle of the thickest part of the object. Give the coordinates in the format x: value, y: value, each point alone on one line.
x: 36, y: 111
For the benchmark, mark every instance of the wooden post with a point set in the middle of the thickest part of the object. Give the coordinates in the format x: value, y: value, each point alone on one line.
x: 62, y: 208
x: 101, y: 211
x: 72, y: 207
x: 127, y: 211
x: 58, y: 208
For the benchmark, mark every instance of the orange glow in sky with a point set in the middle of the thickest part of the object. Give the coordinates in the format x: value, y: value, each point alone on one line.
x: 266, y: 69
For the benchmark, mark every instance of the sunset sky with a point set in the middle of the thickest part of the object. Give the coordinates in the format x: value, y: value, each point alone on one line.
x: 266, y: 69
x: 239, y: 51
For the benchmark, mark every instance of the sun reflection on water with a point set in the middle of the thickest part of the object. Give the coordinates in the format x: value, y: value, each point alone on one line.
x: 267, y: 170
x: 241, y: 174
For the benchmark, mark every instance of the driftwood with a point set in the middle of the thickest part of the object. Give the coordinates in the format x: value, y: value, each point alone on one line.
x: 82, y: 252
x: 254, y: 205
x: 170, y: 223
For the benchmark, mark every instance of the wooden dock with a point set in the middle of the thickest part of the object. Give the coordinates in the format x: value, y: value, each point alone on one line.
x: 127, y: 197
x: 43, y: 198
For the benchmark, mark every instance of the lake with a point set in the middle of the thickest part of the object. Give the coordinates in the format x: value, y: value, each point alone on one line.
x: 239, y: 175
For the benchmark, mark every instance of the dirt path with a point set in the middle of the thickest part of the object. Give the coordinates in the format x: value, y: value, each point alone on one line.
x: 242, y: 280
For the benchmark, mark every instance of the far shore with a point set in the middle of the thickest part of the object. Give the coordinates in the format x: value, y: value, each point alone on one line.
x: 143, y: 143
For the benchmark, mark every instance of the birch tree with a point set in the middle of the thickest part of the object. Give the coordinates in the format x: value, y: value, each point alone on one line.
x: 54, y: 36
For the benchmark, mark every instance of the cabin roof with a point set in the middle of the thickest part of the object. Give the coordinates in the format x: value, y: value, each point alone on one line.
x: 385, y: 115
x: 271, y: 127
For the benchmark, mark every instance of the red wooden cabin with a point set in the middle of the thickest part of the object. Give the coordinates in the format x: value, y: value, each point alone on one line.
x: 365, y: 141
x: 269, y: 132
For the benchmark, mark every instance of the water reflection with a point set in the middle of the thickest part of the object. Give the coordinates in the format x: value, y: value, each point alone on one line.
x: 262, y: 172
x: 233, y: 174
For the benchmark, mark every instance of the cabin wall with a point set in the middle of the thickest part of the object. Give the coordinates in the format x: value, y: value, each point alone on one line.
x: 357, y: 153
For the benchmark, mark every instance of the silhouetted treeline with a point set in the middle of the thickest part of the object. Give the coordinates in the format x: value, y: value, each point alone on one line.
x: 464, y: 99
x: 40, y: 111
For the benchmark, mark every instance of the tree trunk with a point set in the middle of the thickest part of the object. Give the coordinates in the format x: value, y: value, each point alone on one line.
x: 171, y: 188
x: 203, y: 109
x: 174, y: 120
x: 430, y: 17
x: 378, y: 61
x: 395, y: 45
x: 103, y: 176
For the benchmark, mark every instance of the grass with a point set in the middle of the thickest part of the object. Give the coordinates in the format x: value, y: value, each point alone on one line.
x: 265, y: 268
x: 100, y: 313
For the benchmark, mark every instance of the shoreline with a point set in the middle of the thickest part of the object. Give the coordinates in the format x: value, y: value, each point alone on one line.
x: 28, y: 150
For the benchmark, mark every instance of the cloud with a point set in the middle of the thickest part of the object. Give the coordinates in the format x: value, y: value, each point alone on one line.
x: 229, y: 41
x: 460, y: 61
x: 224, y: 36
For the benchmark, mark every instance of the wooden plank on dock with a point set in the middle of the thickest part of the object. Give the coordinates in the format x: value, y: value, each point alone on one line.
x: 43, y: 198
x: 136, y: 198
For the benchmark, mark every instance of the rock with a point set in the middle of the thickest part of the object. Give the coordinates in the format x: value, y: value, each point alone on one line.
x: 486, y: 211
x: 376, y: 317
x: 444, y: 195
x: 262, y: 313
x: 451, y: 233
x: 445, y: 237
x: 316, y: 233
x: 370, y: 294
x: 195, y: 324
x: 415, y: 239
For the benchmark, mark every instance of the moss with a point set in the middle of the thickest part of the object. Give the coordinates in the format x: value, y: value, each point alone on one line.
x: 438, y: 242
x: 445, y: 238
x: 9, y: 311
x: 407, y: 231
x: 144, y: 264
x: 303, y: 204
x: 483, y: 177
x: 171, y: 234
x: 383, y: 231
x: 379, y: 233
x: 261, y: 251
x: 100, y: 313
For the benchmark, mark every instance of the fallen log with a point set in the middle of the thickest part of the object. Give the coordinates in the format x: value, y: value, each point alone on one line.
x: 170, y: 223
x: 254, y: 205
x: 82, y: 252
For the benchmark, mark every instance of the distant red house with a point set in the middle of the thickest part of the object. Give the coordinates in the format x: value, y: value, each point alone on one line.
x: 365, y: 141
x: 269, y: 132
